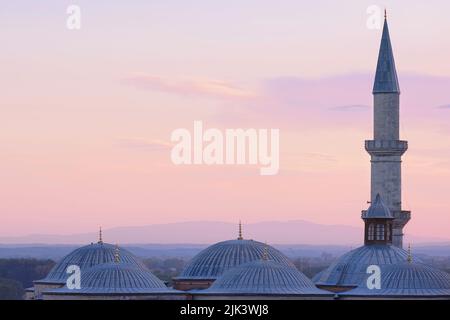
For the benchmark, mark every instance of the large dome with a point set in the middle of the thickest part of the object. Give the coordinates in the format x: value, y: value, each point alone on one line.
x: 86, y: 257
x: 264, y: 277
x: 351, y: 269
x: 116, y: 278
x: 407, y: 280
x: 218, y: 258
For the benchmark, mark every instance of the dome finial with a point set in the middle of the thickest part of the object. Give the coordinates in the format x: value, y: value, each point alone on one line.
x: 240, y: 231
x: 265, y: 255
x: 409, y: 259
x: 117, y: 254
x: 100, y: 236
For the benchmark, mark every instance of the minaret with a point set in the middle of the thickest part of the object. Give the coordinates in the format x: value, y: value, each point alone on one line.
x: 386, y: 149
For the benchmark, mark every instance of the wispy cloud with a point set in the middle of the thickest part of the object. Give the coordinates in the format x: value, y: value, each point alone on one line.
x: 309, y: 101
x: 189, y: 86
x: 290, y: 101
x: 350, y: 108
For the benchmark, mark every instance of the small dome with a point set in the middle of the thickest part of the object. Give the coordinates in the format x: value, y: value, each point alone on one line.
x: 264, y: 277
x: 116, y: 278
x: 218, y: 258
x: 86, y: 257
x: 351, y: 268
x: 378, y: 210
x: 407, y: 280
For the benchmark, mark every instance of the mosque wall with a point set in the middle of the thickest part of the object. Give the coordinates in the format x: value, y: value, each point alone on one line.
x: 185, y: 285
x: 41, y: 287
x: 258, y: 297
x: 47, y: 296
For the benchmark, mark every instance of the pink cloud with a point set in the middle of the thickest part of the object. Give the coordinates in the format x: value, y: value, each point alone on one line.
x: 340, y: 101
x: 189, y: 86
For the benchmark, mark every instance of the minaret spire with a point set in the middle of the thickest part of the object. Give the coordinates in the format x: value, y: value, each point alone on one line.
x: 386, y: 80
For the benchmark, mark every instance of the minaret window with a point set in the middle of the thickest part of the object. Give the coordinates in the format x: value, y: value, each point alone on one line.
x: 379, y: 235
x: 371, y: 232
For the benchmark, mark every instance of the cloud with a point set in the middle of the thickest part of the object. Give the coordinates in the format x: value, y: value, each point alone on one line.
x: 143, y: 144
x: 305, y: 102
x: 310, y: 102
x: 189, y: 87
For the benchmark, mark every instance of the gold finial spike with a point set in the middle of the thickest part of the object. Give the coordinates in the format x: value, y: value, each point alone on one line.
x: 409, y: 254
x: 385, y: 13
x: 100, y: 236
x: 265, y: 256
x: 117, y: 254
x: 240, y: 231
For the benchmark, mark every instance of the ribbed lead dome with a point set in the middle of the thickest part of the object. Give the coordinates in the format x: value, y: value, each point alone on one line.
x: 264, y: 277
x: 408, y: 280
x: 116, y: 278
x: 351, y: 268
x: 86, y: 257
x: 218, y: 258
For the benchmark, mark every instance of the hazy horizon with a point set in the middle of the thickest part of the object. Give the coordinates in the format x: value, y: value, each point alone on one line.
x: 296, y: 232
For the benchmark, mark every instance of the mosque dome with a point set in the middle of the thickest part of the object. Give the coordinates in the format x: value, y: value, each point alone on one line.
x: 213, y: 261
x: 264, y: 277
x: 86, y: 257
x: 116, y: 278
x: 407, y: 280
x: 351, y: 268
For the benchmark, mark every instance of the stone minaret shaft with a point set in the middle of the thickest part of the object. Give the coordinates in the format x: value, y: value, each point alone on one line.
x: 386, y: 149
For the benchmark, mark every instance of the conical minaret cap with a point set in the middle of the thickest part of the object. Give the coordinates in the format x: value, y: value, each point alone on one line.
x: 386, y: 80
x: 378, y: 210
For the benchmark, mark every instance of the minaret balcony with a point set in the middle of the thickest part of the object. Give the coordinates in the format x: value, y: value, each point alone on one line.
x: 386, y: 147
x: 401, y: 218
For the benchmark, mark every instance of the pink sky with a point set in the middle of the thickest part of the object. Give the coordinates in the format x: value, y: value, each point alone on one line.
x: 86, y: 116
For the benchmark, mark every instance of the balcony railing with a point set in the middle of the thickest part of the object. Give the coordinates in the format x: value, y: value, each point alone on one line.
x: 388, y: 147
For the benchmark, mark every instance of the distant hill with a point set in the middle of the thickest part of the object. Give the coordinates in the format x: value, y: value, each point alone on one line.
x: 187, y: 251
x: 206, y: 232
